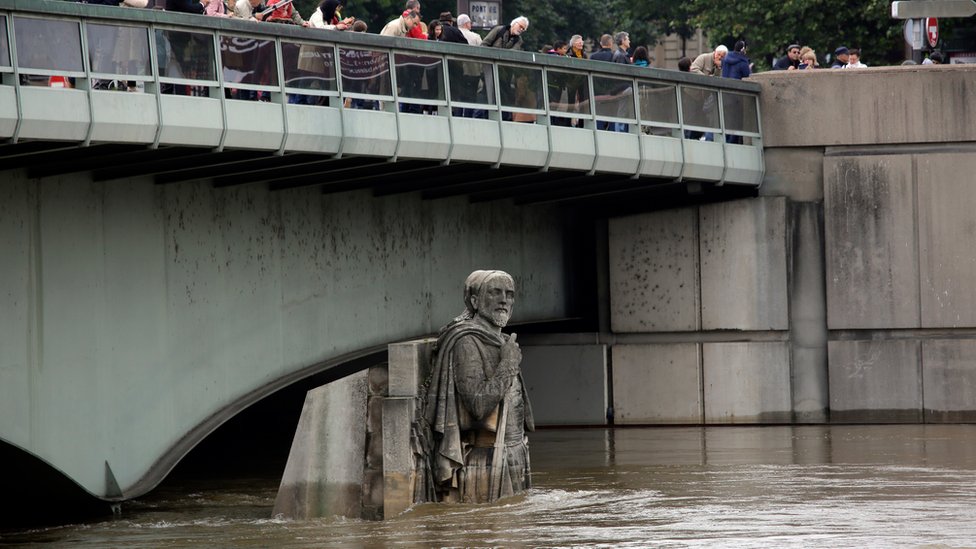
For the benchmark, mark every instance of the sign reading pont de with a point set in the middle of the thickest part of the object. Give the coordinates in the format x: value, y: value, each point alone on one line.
x: 484, y: 14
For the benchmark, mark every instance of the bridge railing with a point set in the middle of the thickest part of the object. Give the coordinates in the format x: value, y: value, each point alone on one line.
x: 222, y: 83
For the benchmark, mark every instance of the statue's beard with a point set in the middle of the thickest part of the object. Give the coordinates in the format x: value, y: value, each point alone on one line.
x: 499, y: 318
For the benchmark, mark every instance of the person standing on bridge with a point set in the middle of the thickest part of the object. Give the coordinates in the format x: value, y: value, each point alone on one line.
x: 476, y: 406
x: 710, y: 62
x: 509, y: 36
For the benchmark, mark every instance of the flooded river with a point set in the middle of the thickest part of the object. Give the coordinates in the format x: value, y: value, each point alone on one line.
x: 810, y: 486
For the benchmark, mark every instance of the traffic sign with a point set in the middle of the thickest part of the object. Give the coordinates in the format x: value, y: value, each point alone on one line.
x: 932, y: 31
x: 914, y: 9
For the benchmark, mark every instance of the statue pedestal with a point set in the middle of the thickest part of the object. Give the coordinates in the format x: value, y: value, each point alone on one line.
x: 352, y: 454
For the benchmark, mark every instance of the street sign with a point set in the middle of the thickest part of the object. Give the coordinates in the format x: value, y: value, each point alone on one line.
x: 914, y: 9
x: 932, y: 31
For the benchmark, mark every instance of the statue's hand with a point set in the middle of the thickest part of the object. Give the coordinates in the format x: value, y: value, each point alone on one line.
x: 511, y: 355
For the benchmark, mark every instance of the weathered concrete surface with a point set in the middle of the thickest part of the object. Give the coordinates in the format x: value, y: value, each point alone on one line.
x: 875, y: 381
x: 567, y: 384
x: 743, y: 265
x: 399, y: 466
x: 408, y: 368
x: 324, y: 473
x: 872, y: 268
x: 794, y: 173
x: 654, y: 272
x: 137, y: 317
x: 412, y: 360
x: 946, y: 234
x: 657, y: 384
x: 949, y: 380
x: 747, y: 382
x: 808, y: 314
x: 870, y: 106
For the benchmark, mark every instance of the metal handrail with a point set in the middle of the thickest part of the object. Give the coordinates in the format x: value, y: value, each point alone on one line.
x: 157, y: 21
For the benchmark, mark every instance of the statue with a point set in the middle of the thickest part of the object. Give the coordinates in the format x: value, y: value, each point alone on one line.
x: 477, y: 411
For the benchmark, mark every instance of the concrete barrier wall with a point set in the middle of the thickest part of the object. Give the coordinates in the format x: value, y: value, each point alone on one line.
x: 883, y: 105
x: 728, y: 360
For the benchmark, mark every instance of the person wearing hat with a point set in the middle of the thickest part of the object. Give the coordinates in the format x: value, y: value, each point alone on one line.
x: 840, y: 58
x: 790, y: 61
x: 449, y: 32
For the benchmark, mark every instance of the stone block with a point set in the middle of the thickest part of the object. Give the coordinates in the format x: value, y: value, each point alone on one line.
x: 398, y: 460
x: 324, y: 473
x: 743, y: 265
x: 875, y: 381
x: 869, y: 218
x: 747, y: 382
x: 654, y: 272
x: 567, y: 384
x: 946, y: 232
x: 949, y: 380
x: 871, y: 98
x: 808, y: 314
x: 379, y: 381
x: 409, y: 366
x: 794, y: 173
x: 654, y: 384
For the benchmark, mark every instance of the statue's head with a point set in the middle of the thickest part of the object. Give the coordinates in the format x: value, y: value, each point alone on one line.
x: 491, y: 295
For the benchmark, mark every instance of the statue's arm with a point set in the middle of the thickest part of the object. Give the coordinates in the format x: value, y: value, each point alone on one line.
x: 480, y: 385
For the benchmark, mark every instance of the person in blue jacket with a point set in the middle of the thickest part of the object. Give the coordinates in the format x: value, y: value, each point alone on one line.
x: 736, y: 64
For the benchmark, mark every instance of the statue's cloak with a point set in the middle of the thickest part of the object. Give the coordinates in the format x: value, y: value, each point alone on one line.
x: 443, y: 413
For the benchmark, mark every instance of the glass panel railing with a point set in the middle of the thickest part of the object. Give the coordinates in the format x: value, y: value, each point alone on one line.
x: 658, y: 104
x: 185, y: 55
x: 699, y: 107
x: 568, y: 93
x: 471, y: 81
x: 4, y: 45
x: 419, y: 77
x: 614, y: 97
x: 741, y: 112
x: 521, y: 89
x: 365, y: 72
x: 248, y: 62
x: 119, y: 51
x: 48, y: 45
x: 309, y: 68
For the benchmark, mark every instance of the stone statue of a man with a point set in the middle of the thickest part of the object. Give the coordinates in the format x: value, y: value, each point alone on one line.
x: 476, y: 405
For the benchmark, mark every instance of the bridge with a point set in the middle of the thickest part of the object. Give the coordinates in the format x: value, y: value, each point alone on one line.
x: 197, y: 212
x: 277, y: 204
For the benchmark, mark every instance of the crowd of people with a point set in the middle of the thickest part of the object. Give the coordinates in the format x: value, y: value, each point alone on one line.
x: 612, y: 48
x: 615, y: 48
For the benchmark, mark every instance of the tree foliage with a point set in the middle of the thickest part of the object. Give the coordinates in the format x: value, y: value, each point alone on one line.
x: 769, y: 27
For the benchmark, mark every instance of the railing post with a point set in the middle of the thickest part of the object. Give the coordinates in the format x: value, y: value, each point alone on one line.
x: 15, y: 65
x: 681, y: 130
x: 279, y: 60
x: 725, y: 138
x: 157, y: 88
x: 86, y: 66
x: 219, y: 73
x: 450, y: 110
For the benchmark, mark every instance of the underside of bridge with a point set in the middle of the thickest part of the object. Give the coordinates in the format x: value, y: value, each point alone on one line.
x: 599, y: 194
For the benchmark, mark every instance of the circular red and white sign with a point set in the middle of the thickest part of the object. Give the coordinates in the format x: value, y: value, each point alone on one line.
x: 932, y: 31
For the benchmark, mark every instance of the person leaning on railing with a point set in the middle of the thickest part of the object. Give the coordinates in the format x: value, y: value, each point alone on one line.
x: 509, y: 36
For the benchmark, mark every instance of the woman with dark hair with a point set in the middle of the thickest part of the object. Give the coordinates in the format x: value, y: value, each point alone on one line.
x: 326, y: 16
x: 434, y: 30
x: 641, y: 57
